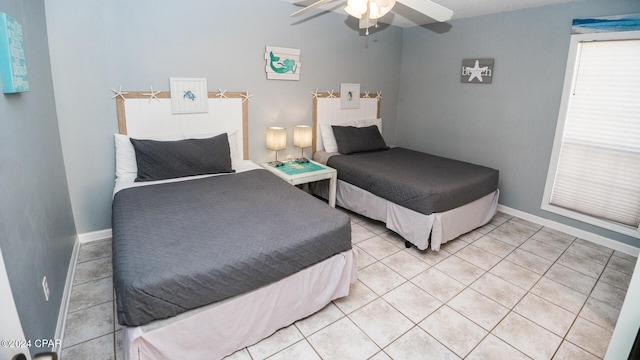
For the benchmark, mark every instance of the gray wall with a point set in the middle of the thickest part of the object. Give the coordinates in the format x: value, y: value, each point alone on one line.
x: 509, y: 124
x: 37, y: 231
x: 99, y: 45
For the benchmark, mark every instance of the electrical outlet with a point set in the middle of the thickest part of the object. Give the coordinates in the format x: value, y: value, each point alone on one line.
x: 45, y: 287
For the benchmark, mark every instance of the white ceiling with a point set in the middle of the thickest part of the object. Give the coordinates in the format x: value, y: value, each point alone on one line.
x: 405, y: 17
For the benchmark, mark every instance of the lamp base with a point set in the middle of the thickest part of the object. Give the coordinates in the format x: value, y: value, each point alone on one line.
x: 302, y: 160
x: 276, y: 163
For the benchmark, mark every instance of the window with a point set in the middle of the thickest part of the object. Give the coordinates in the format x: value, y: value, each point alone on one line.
x: 594, y: 174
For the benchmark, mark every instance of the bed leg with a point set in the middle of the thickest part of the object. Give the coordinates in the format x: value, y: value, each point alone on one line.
x: 407, y: 244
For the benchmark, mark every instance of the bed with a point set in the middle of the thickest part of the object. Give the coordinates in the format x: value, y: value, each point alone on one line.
x: 426, y: 199
x: 198, y: 273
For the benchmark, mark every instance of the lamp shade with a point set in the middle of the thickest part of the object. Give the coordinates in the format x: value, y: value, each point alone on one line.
x: 276, y: 138
x: 302, y: 135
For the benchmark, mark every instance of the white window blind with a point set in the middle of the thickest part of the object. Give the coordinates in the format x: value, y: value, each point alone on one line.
x: 598, y: 166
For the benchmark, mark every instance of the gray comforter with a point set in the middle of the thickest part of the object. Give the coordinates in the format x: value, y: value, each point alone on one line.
x: 179, y: 246
x: 421, y: 182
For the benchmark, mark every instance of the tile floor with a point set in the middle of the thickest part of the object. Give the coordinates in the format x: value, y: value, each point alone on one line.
x: 511, y: 289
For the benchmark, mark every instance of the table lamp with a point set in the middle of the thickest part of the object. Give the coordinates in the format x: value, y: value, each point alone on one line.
x: 302, y: 137
x: 276, y: 140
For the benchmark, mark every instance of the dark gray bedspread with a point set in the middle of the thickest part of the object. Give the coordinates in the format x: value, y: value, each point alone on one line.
x: 421, y: 182
x: 182, y: 245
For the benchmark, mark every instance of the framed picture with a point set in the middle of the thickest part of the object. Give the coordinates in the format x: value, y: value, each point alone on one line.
x: 599, y: 24
x: 13, y: 66
x: 349, y: 96
x: 189, y: 95
x: 476, y: 71
x: 282, y: 63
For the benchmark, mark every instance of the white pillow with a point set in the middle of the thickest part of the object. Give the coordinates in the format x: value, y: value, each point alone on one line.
x: 329, y: 140
x: 233, y: 147
x: 126, y: 155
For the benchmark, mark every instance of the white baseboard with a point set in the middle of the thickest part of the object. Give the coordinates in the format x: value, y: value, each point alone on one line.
x: 66, y: 295
x: 582, y: 234
x: 94, y: 236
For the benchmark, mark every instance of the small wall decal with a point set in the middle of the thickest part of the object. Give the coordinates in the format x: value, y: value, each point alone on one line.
x: 282, y: 63
x: 476, y: 71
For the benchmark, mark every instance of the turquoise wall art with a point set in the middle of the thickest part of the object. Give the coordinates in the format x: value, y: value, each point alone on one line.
x: 282, y: 63
x: 629, y: 22
x: 13, y: 66
x: 189, y: 95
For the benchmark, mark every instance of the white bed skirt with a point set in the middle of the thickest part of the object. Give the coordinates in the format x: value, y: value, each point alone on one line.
x: 220, y: 329
x: 412, y: 225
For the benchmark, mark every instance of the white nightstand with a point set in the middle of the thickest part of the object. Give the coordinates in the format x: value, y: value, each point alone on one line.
x: 296, y: 174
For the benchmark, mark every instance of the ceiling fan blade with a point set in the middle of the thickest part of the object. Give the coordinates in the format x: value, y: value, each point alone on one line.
x: 429, y: 8
x: 311, y: 7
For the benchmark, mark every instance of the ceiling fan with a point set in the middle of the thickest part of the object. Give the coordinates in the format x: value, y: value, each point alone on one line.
x: 369, y: 11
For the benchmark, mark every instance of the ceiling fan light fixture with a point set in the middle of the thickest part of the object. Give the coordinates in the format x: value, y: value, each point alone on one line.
x: 356, y: 8
x: 374, y: 11
x: 371, y: 10
x: 379, y: 8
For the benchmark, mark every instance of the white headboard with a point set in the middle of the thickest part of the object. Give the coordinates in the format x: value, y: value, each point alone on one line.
x: 142, y: 116
x: 327, y: 110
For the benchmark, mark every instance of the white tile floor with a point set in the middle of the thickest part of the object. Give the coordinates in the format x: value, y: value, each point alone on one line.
x: 509, y: 290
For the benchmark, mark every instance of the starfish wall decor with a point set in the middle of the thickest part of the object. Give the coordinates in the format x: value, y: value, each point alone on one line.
x: 477, y: 71
x: 246, y: 96
x: 222, y: 94
x: 152, y: 94
x: 331, y: 94
x: 119, y: 93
